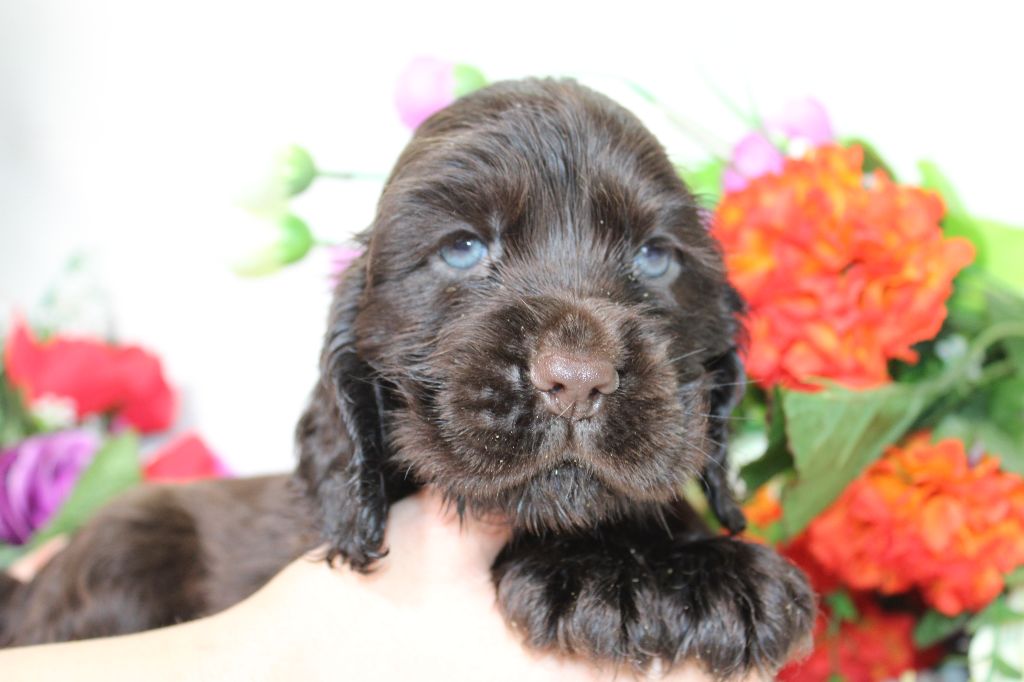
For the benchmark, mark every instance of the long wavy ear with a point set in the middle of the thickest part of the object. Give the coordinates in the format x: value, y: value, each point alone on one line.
x: 341, y: 444
x: 729, y: 383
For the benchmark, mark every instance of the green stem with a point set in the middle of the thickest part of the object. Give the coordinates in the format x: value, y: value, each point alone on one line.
x: 699, y: 134
x: 351, y: 175
x: 980, y: 346
x: 990, y: 337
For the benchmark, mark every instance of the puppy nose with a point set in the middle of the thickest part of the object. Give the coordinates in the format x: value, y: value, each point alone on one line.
x: 573, y: 386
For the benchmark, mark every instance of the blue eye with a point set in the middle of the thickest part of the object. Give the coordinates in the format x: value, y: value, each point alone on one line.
x: 464, y: 252
x: 652, y: 260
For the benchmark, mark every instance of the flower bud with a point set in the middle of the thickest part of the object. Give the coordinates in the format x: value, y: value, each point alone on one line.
x: 276, y: 243
x: 294, y: 170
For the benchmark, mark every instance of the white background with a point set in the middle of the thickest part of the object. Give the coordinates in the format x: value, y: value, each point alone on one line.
x: 127, y: 127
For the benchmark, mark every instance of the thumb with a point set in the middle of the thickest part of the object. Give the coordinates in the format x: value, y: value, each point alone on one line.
x: 443, y: 544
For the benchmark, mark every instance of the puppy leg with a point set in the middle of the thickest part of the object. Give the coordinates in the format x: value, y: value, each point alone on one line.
x: 633, y: 593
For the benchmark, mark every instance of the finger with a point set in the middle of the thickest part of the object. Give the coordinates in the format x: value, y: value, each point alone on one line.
x: 25, y: 568
x: 428, y: 543
x: 465, y: 538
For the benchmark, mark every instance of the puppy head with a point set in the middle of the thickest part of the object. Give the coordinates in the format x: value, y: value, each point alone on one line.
x: 541, y: 314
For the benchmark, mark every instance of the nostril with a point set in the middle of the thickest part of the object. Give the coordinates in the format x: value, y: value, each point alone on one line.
x: 573, y: 383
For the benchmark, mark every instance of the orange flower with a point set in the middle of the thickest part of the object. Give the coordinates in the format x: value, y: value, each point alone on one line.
x: 878, y: 646
x: 762, y: 510
x: 842, y: 272
x: 925, y: 517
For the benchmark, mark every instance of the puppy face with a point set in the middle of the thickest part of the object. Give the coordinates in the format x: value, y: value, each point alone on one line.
x: 543, y: 303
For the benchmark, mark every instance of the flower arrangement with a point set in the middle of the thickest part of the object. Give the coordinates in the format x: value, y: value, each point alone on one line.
x: 881, y: 442
x: 81, y: 419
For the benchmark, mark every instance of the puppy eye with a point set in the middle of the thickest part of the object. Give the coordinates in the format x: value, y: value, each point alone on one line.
x: 463, y: 252
x: 652, y: 260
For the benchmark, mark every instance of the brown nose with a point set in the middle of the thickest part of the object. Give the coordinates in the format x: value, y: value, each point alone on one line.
x: 573, y: 386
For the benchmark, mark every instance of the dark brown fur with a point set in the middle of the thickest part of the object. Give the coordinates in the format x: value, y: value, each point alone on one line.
x: 161, y: 555
x: 425, y: 381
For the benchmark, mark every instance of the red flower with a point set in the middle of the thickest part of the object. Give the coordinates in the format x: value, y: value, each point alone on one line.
x: 99, y: 377
x: 185, y: 458
x: 925, y: 517
x: 877, y: 646
x: 841, y: 272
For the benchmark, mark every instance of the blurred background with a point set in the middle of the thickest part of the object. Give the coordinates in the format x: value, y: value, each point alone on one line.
x: 127, y: 130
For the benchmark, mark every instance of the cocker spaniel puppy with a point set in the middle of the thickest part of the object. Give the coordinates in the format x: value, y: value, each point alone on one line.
x: 541, y: 328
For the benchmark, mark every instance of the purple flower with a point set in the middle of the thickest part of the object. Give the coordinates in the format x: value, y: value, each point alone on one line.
x: 36, y: 476
x: 429, y: 84
x: 803, y: 123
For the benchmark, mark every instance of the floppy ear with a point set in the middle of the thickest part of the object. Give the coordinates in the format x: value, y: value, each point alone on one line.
x: 728, y: 382
x: 728, y: 379
x: 341, y: 446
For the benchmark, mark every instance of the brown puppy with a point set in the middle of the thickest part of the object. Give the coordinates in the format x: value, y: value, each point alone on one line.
x: 540, y: 327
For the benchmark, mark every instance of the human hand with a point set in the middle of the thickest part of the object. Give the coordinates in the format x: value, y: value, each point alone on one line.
x: 426, y: 611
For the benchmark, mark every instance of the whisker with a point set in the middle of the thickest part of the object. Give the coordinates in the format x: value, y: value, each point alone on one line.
x: 745, y: 382
x: 686, y: 355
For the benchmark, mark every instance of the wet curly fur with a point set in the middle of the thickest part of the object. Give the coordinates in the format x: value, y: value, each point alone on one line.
x: 425, y: 380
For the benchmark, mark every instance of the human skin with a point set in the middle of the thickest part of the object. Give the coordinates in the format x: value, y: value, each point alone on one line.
x: 426, y: 612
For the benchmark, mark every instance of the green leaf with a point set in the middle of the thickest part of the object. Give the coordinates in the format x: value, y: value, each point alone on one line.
x: 776, y: 457
x: 1000, y: 612
x: 1009, y: 448
x: 934, y: 627
x: 872, y: 159
x: 15, y: 421
x: 1007, y: 405
x: 999, y: 246
x: 990, y: 419
x: 10, y: 553
x: 934, y: 179
x: 996, y: 652
x: 705, y: 181
x: 1005, y: 668
x: 835, y: 434
x: 842, y: 606
x: 114, y: 469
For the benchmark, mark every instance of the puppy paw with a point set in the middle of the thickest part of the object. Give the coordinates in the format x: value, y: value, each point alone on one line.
x: 732, y: 606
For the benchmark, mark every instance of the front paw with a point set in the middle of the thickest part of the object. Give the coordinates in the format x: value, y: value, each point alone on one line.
x: 732, y: 606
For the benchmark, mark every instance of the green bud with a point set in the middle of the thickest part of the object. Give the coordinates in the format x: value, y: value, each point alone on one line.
x: 286, y: 240
x: 467, y: 79
x: 294, y: 170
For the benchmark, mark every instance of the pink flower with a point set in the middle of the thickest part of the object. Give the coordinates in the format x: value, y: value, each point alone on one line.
x: 36, y: 476
x: 802, y: 123
x: 341, y: 258
x: 804, y: 119
x: 752, y: 157
x: 429, y: 84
